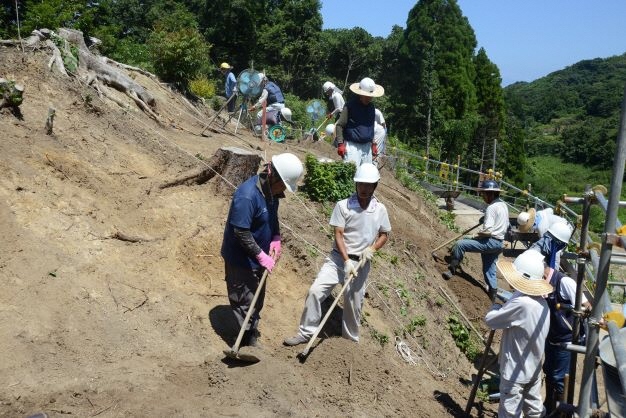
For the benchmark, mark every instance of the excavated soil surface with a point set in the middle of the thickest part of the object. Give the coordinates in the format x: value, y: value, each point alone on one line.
x: 94, y: 324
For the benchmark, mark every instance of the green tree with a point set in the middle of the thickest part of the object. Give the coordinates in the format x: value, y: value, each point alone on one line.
x: 288, y: 45
x: 438, y: 93
x: 350, y: 55
x: 490, y: 128
x: 232, y: 27
x: 177, y: 48
x: 52, y: 14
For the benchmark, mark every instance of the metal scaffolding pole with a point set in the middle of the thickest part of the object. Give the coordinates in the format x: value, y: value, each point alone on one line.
x: 602, y: 273
x: 581, y: 262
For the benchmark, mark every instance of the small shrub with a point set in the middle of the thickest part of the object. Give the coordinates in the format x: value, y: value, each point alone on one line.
x: 330, y: 181
x: 462, y: 338
x: 416, y: 321
x: 202, y: 87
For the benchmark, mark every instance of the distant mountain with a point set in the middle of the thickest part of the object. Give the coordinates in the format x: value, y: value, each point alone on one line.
x: 572, y: 113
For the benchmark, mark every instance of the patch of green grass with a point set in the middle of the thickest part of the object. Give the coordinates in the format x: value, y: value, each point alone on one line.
x: 382, y: 339
x: 384, y: 289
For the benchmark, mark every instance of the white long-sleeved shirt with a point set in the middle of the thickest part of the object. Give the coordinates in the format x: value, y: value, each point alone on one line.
x: 496, y: 220
x: 338, y: 101
x: 525, y: 321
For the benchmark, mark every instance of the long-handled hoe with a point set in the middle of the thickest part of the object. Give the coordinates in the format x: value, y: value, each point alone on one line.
x: 468, y: 230
x: 234, y: 351
x: 305, y: 353
x: 479, y: 375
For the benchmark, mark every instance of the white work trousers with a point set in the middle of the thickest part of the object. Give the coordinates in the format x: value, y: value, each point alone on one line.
x: 518, y: 398
x: 330, y: 275
x: 358, y: 153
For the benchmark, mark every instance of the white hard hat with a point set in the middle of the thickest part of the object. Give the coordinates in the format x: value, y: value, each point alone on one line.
x: 522, y: 218
x: 327, y: 86
x: 530, y: 264
x: 330, y: 129
x: 289, y: 168
x: 286, y: 112
x: 367, y: 173
x: 561, y: 231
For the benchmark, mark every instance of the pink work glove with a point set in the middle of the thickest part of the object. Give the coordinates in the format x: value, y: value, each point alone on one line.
x: 275, y: 246
x: 266, y: 261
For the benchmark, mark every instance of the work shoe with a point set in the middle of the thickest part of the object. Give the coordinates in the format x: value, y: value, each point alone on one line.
x: 296, y: 340
x: 492, y: 292
x: 447, y: 275
x: 251, y: 338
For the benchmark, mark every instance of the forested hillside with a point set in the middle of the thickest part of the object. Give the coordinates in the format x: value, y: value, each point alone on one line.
x: 443, y: 93
x: 572, y: 113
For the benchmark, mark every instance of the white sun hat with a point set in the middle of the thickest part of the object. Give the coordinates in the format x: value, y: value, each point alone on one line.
x: 367, y: 87
x: 526, y: 273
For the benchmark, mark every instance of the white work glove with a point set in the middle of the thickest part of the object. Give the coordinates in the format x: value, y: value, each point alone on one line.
x: 349, y: 267
x: 368, y: 253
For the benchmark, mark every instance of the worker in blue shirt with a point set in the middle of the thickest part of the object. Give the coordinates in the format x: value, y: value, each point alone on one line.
x: 252, y: 241
x: 230, y: 85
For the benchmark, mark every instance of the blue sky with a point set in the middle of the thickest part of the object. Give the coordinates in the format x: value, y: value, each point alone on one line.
x: 526, y: 39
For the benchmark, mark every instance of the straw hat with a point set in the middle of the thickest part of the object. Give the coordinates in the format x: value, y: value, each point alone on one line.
x: 367, y: 87
x: 528, y: 225
x: 526, y: 273
x: 225, y: 66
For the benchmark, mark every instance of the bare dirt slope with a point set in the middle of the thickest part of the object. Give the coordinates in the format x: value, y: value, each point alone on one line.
x: 93, y: 325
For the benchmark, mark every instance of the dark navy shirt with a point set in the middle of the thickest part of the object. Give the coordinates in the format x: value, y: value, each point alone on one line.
x: 249, y: 210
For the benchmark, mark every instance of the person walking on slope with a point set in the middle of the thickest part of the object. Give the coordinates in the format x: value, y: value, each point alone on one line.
x: 355, y: 128
x: 525, y: 320
x: 334, y: 100
x: 251, y: 242
x: 359, y: 221
x: 488, y: 240
x: 557, y: 358
x: 230, y: 85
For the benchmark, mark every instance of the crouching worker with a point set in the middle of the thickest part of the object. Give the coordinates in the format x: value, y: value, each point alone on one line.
x: 359, y: 221
x: 525, y: 320
x: 251, y: 242
x: 488, y: 240
x: 272, y: 117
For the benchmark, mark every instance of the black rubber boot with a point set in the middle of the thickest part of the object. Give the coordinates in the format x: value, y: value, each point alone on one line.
x: 492, y: 292
x: 447, y: 275
x: 250, y: 338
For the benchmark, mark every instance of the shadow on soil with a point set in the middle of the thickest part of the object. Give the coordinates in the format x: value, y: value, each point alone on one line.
x: 224, y: 323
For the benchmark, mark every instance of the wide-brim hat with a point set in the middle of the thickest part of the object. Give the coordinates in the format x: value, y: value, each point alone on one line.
x: 367, y: 87
x: 526, y: 285
x: 531, y: 221
x: 225, y: 66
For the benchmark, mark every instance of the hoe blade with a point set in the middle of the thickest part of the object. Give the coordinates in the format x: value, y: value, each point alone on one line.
x: 238, y: 355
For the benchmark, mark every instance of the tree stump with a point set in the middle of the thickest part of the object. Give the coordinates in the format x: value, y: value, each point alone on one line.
x: 233, y: 165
